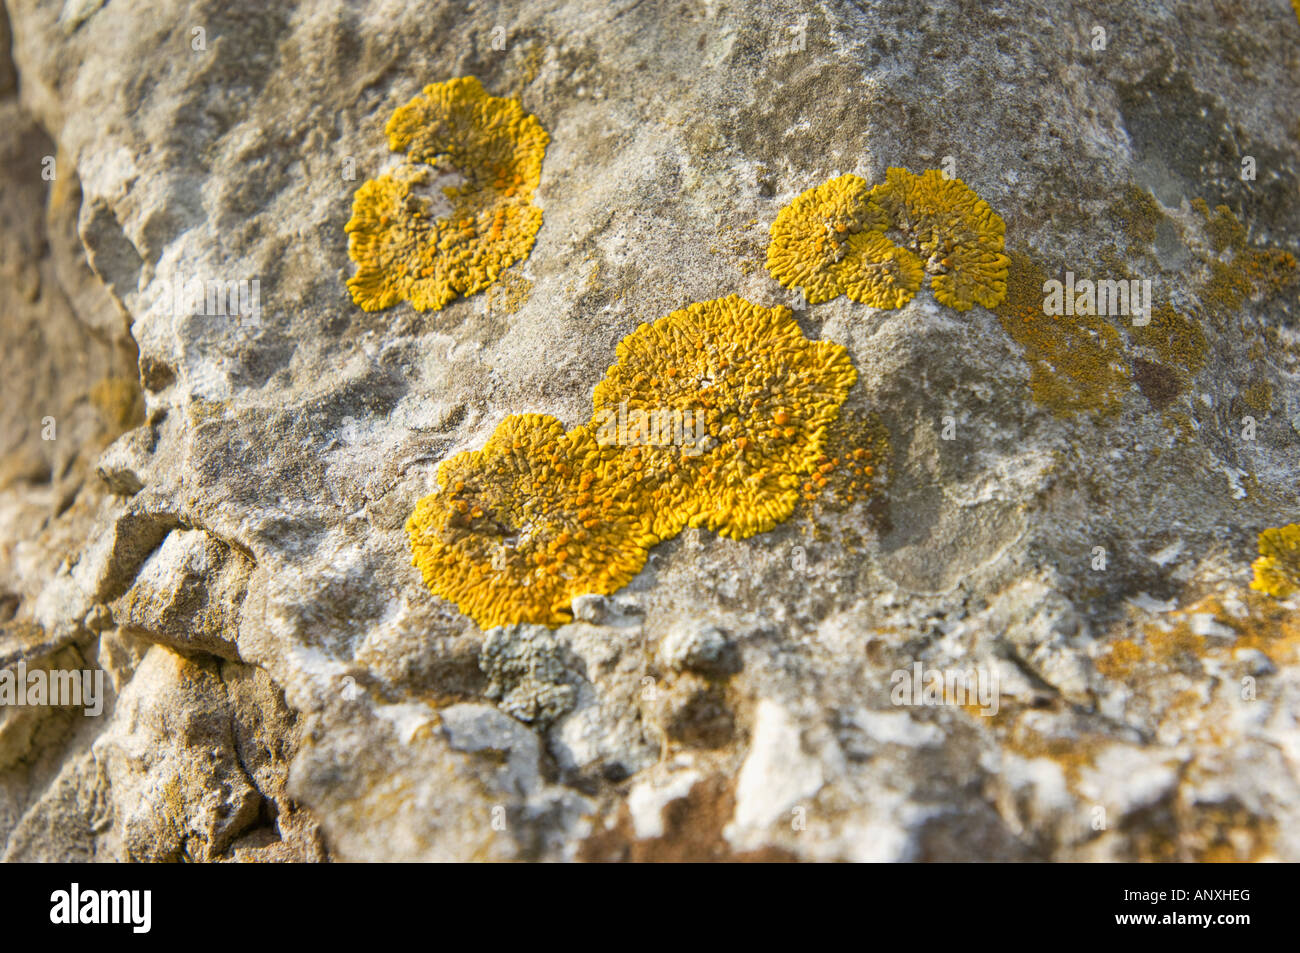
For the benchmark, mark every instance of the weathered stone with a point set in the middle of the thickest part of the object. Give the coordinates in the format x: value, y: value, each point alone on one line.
x: 187, y: 594
x: 211, y: 510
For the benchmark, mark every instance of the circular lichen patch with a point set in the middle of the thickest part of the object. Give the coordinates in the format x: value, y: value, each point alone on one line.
x: 518, y: 529
x: 877, y: 244
x: 754, y: 398
x: 405, y: 250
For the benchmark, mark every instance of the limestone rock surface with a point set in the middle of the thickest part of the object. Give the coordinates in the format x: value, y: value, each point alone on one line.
x: 210, y: 510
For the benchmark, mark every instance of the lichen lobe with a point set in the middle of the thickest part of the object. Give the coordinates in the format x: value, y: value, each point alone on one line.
x: 877, y: 244
x: 404, y: 249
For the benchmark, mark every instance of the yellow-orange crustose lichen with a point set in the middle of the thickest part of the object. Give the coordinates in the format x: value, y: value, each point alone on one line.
x: 1174, y: 337
x: 759, y: 396
x: 877, y: 244
x: 953, y: 229
x: 1175, y: 641
x: 1077, y: 364
x: 404, y: 249
x: 827, y: 243
x: 856, y: 445
x: 713, y: 416
x: 1085, y: 363
x: 519, y: 528
x: 1277, y: 570
x: 1241, y: 271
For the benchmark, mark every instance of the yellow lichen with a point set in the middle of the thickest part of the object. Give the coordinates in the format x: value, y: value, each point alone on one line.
x: 1242, y: 271
x: 508, y: 295
x: 758, y: 395
x: 1174, y: 337
x: 848, y: 470
x: 1221, y: 225
x: 1119, y: 660
x: 404, y: 249
x: 877, y: 244
x: 1178, y: 644
x: 120, y: 401
x: 810, y: 236
x: 519, y: 528
x: 1258, y: 397
x: 1075, y: 752
x: 956, y: 233
x: 1084, y: 364
x: 1269, y: 626
x: 713, y: 416
x: 1137, y: 215
x: 1226, y: 290
x: 881, y: 274
x: 1255, y: 621
x: 1076, y: 363
x: 1257, y: 273
x: 1225, y: 833
x: 1277, y: 570
x: 1269, y: 270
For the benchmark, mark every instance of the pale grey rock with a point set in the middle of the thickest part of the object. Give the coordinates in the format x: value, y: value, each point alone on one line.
x: 603, y: 736
x: 895, y: 727
x: 26, y: 729
x: 187, y: 595
x: 217, y: 523
x: 701, y: 648
x: 777, y: 774
x: 171, y: 759
x: 482, y: 728
x: 590, y: 607
x: 1256, y: 662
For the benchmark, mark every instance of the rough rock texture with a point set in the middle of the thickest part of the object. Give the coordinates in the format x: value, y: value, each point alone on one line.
x: 217, y: 521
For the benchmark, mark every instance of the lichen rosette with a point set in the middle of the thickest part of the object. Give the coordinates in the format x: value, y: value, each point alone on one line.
x: 519, y: 528
x: 406, y: 247
x: 765, y: 394
x: 877, y: 244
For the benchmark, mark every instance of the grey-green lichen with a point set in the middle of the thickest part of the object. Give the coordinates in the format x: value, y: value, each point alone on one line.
x: 526, y: 674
